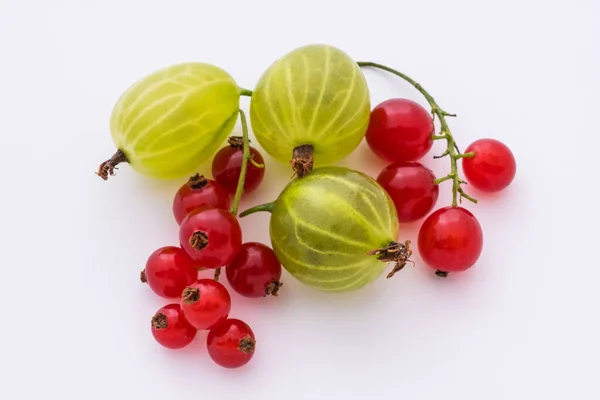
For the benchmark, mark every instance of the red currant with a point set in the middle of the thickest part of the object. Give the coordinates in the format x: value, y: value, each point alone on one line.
x: 205, y: 303
x: 211, y: 236
x: 400, y: 130
x: 198, y: 192
x: 493, y: 166
x: 412, y: 188
x: 255, y: 271
x: 231, y: 343
x: 171, y: 329
x: 168, y: 271
x: 450, y: 240
x: 227, y: 166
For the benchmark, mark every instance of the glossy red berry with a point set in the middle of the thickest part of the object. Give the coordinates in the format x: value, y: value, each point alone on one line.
x: 205, y: 303
x: 171, y: 329
x: 255, y: 271
x: 411, y: 187
x: 231, y: 343
x: 400, y: 130
x: 450, y: 240
x: 198, y: 192
x: 227, y: 166
x: 168, y: 271
x: 493, y: 166
x: 211, y: 236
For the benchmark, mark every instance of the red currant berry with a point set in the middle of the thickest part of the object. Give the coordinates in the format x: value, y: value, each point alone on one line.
x: 493, y: 166
x: 231, y: 343
x: 198, y: 192
x: 168, y: 271
x: 171, y: 329
x: 255, y: 271
x: 211, y: 236
x: 205, y: 303
x: 450, y: 240
x: 412, y: 188
x: 400, y: 130
x: 227, y: 166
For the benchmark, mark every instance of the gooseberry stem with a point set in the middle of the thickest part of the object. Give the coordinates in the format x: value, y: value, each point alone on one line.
x: 268, y: 207
x: 245, y: 92
x: 239, y: 191
x: 452, y: 149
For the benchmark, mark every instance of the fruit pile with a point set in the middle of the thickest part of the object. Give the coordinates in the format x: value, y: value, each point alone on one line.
x: 332, y: 228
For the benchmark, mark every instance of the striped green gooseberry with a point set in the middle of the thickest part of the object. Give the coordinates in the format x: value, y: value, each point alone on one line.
x: 172, y: 120
x: 333, y: 228
x: 311, y: 106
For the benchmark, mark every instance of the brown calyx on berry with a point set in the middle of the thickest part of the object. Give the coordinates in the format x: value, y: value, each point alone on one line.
x: 236, y: 141
x: 394, y: 252
x: 247, y: 344
x: 441, y: 274
x: 198, y: 240
x: 143, y: 276
x: 302, y: 160
x: 272, y: 288
x: 197, y: 182
x: 159, y: 321
x: 190, y: 295
x: 107, y: 168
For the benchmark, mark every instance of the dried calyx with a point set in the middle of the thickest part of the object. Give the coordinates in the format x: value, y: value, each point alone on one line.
x: 399, y: 253
x: 159, y: 321
x: 197, y: 182
x: 247, y: 344
x: 302, y: 160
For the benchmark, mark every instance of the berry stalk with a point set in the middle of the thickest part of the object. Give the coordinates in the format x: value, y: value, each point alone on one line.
x: 239, y: 191
x: 451, y: 150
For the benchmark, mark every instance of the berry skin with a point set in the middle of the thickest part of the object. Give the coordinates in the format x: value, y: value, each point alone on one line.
x: 205, y: 303
x: 400, y: 130
x: 198, y: 192
x: 168, y: 271
x: 171, y: 329
x: 231, y: 343
x: 255, y: 271
x: 450, y: 240
x: 211, y: 236
x: 412, y: 189
x: 227, y: 166
x: 492, y: 168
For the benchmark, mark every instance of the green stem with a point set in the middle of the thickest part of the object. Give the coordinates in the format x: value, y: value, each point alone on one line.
x: 452, y: 149
x: 247, y: 157
x: 268, y: 207
x: 242, y: 179
x: 245, y: 92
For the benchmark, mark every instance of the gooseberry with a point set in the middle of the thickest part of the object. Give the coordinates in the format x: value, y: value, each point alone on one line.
x: 332, y: 228
x: 313, y: 101
x: 169, y: 122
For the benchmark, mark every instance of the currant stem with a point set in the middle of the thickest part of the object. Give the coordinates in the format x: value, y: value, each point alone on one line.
x: 452, y: 149
x: 242, y: 179
x: 247, y: 157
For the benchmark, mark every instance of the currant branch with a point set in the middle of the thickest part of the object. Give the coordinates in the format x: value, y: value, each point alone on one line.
x: 452, y: 150
x: 239, y: 191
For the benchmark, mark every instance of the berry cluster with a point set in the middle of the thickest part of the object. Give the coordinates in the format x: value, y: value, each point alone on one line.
x: 210, y: 237
x: 402, y: 132
x: 332, y: 228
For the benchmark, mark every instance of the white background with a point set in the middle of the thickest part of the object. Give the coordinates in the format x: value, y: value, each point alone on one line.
x: 523, y: 324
